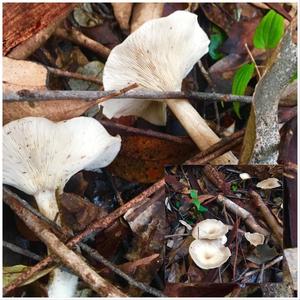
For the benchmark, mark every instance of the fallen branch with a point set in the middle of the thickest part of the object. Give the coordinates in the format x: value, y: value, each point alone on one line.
x: 79, y: 76
x: 80, y: 39
x: 268, y: 216
x: 67, y: 256
x: 243, y: 213
x: 223, y: 146
x: 27, y: 95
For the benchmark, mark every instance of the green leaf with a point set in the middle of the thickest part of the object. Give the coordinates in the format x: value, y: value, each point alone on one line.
x: 216, y: 40
x: 240, y: 81
x: 194, y: 194
x: 294, y: 77
x: 199, y: 206
x: 269, y: 31
x: 234, y: 186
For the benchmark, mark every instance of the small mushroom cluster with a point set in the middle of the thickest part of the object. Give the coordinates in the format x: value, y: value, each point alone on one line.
x: 208, y: 250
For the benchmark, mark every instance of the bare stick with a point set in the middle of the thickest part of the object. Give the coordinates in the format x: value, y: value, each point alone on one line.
x: 79, y: 38
x: 79, y: 76
x: 27, y: 95
x: 268, y: 216
x: 67, y: 256
x: 253, y: 60
x: 225, y: 144
x: 243, y: 213
x: 21, y: 251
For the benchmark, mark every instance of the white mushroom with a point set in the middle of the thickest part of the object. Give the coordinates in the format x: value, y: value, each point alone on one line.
x: 208, y: 254
x: 39, y: 157
x: 158, y: 56
x: 270, y: 183
x: 210, y: 229
x: 255, y: 238
x: 245, y: 176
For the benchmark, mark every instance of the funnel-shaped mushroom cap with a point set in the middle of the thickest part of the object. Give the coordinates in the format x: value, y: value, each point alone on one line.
x: 157, y: 56
x: 40, y: 155
x: 270, y: 183
x: 209, y: 229
x: 208, y: 254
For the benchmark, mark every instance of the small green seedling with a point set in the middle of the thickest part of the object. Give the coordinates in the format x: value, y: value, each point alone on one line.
x: 196, y: 202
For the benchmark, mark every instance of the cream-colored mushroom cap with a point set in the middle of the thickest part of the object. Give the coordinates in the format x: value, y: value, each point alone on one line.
x: 270, y: 183
x: 40, y: 156
x: 157, y: 56
x: 209, y: 229
x: 208, y: 254
x: 255, y: 238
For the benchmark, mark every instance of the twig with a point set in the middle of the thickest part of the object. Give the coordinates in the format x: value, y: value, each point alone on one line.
x: 21, y: 251
x: 268, y: 265
x: 243, y: 213
x: 79, y: 76
x: 27, y: 95
x: 67, y: 256
x: 225, y: 144
x: 94, y: 254
x: 79, y: 38
x: 268, y: 216
x: 253, y: 60
x: 97, y: 226
x: 236, y: 249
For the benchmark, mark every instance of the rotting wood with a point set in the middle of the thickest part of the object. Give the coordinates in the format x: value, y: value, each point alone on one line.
x: 22, y: 21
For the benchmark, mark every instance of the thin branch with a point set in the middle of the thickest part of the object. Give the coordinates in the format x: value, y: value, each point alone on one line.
x: 225, y: 144
x: 80, y: 39
x: 253, y: 60
x: 79, y: 76
x: 94, y: 254
x: 243, y: 213
x: 268, y: 265
x: 268, y: 216
x: 21, y: 251
x: 27, y: 95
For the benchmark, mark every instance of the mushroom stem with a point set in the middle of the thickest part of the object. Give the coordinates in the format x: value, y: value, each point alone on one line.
x: 47, y: 204
x: 198, y: 129
x: 62, y: 284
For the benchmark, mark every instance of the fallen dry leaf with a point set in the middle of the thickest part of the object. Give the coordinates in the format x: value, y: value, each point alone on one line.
x: 122, y: 12
x: 142, y: 158
x: 143, y: 12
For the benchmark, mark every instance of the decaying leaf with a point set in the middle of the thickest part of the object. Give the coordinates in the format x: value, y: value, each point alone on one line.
x: 93, y: 69
x: 143, y: 12
x: 122, y: 12
x: 21, y: 74
x: 262, y: 254
x: 85, y: 17
x: 142, y: 158
x: 13, y: 272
